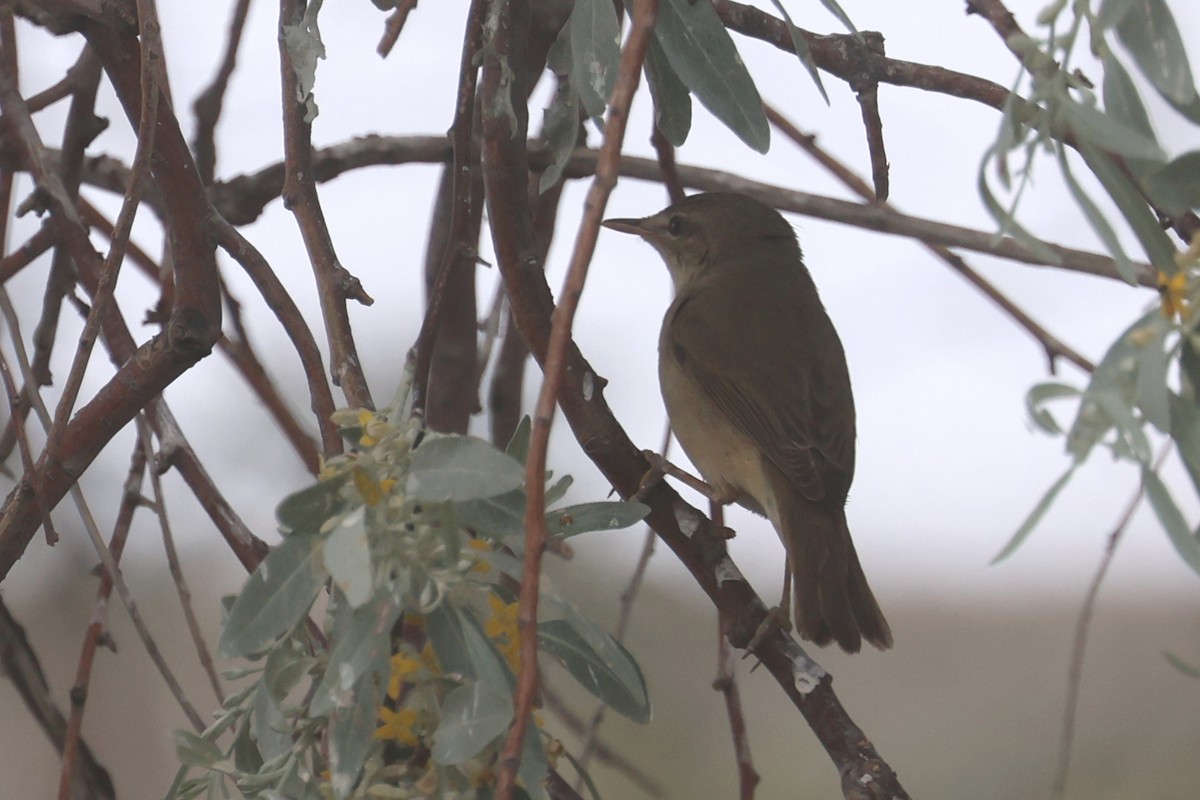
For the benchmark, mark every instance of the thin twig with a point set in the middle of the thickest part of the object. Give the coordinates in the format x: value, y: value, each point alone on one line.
x: 1082, y: 630
x: 288, y: 313
x: 665, y: 153
x: 131, y: 499
x: 89, y: 524
x: 456, y: 240
x: 628, y: 597
x: 23, y: 671
x: 151, y: 45
x: 393, y: 27
x: 726, y: 684
x: 1052, y: 345
x: 207, y: 106
x: 243, y: 198
x: 146, y: 438
x: 335, y: 284
x: 632, y: 56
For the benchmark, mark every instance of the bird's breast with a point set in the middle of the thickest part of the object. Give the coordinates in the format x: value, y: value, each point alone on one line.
x: 726, y: 458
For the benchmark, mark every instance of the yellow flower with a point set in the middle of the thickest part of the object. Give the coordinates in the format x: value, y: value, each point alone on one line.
x: 404, y: 667
x: 501, y: 628
x: 370, y: 491
x: 1173, y: 290
x: 399, y: 726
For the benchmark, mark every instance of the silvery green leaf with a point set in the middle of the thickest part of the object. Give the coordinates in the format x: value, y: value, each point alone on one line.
x: 801, y: 46
x: 1109, y: 133
x: 672, y: 101
x: 558, y: 489
x: 275, y: 597
x: 704, y: 56
x: 1113, y: 11
x: 833, y: 8
x: 601, y: 516
x: 594, y: 658
x: 1121, y: 98
x: 595, y: 53
x: 1038, y: 396
x: 518, y: 446
x: 1182, y: 537
x: 561, y: 129
x: 1153, y: 40
x: 352, y: 728
x: 443, y: 626
x: 473, y: 715
x: 346, y: 554
x: 533, y: 767
x: 1035, y: 516
x: 1097, y: 220
x: 267, y: 721
x: 307, y: 510
x: 1175, y: 187
x: 244, y: 751
x: 1151, y: 391
x: 1132, y: 205
x: 1009, y: 225
x: 359, y: 647
x: 195, y: 751
x: 1181, y: 665
x: 457, y: 468
x: 489, y: 666
x: 1185, y: 431
x: 501, y: 517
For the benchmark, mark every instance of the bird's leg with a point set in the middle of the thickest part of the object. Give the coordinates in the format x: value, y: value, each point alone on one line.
x: 778, y: 618
x: 660, y: 467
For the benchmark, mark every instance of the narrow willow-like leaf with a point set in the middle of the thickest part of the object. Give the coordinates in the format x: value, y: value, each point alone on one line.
x: 1008, y: 225
x: 1099, y: 223
x: 801, y: 46
x: 1121, y: 98
x: 1109, y: 133
x: 561, y: 129
x: 1185, y: 431
x: 1181, y: 536
x: 352, y: 728
x: 1035, y: 516
x: 600, y: 516
x: 307, y: 510
x: 1042, y: 393
x: 595, y: 53
x: 1151, y: 392
x: 1153, y: 40
x: 359, y: 647
x: 672, y: 101
x: 1176, y: 186
x: 533, y: 767
x: 1181, y: 665
x: 704, y: 56
x: 834, y: 8
x: 1154, y: 241
x: 275, y: 597
x: 518, y: 445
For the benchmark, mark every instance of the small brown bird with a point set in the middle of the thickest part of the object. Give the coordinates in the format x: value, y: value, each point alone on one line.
x: 757, y: 390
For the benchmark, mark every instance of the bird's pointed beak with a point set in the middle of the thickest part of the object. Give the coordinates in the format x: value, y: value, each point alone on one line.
x: 637, y: 227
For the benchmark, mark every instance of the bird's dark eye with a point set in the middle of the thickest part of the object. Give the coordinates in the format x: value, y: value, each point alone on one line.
x: 675, y: 226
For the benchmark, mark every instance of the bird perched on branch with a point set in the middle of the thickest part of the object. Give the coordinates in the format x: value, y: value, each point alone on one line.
x: 758, y: 394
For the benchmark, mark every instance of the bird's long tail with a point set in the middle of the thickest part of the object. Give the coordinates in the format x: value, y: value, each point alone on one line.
x: 832, y: 601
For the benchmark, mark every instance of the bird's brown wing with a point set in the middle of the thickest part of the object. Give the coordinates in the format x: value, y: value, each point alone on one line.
x: 739, y: 358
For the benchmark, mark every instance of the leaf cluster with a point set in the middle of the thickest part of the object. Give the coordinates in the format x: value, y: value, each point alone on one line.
x: 403, y: 550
